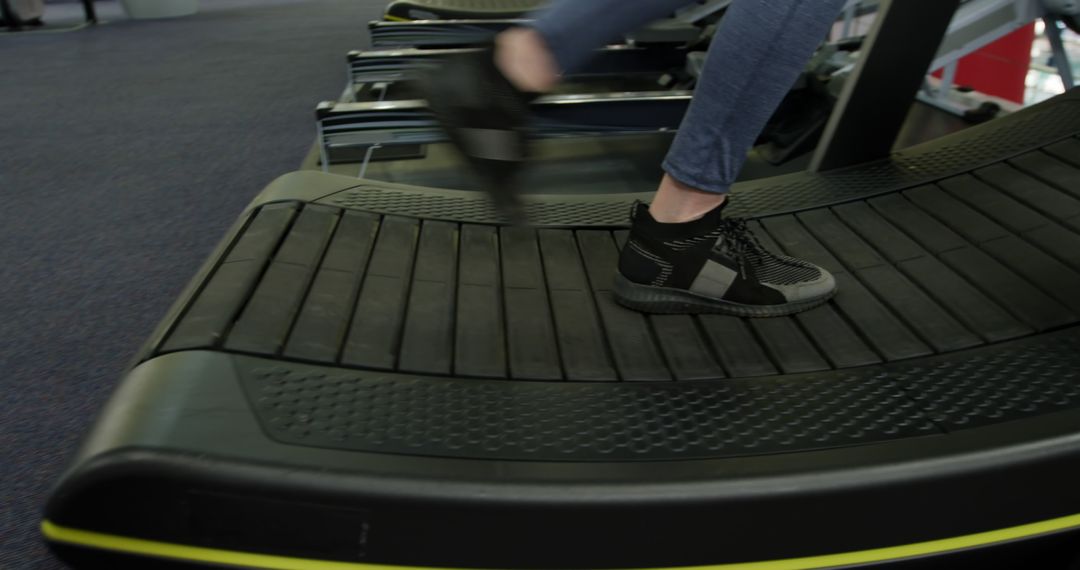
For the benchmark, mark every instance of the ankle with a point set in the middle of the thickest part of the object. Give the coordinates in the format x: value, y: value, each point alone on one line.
x: 523, y: 57
x: 677, y: 203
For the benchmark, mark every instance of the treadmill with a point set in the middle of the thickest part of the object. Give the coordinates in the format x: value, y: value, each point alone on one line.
x: 681, y: 28
x: 372, y: 73
x: 367, y: 375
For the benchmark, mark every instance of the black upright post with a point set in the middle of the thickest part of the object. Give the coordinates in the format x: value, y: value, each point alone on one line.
x: 8, y: 17
x: 91, y: 13
x: 878, y: 95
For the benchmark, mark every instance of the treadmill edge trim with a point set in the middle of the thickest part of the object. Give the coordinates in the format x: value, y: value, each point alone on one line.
x: 135, y: 546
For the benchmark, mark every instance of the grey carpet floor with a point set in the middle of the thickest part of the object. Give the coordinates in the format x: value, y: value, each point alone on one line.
x: 126, y: 150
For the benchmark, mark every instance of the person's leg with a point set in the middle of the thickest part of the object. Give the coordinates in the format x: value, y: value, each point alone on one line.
x: 681, y: 255
x: 759, y: 51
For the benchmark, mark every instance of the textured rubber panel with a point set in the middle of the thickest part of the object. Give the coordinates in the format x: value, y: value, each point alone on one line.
x: 461, y: 9
x: 474, y: 207
x: 981, y: 257
x: 972, y: 148
x: 485, y: 419
x: 580, y: 422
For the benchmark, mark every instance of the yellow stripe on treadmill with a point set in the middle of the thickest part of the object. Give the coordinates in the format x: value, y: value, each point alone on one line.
x: 142, y: 547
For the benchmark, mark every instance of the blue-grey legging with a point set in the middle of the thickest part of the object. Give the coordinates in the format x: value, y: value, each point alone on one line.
x: 760, y: 49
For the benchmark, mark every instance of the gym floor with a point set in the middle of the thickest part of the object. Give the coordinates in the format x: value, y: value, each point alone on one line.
x: 126, y: 150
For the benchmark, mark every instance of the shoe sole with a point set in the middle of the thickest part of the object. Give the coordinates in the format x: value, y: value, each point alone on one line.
x: 668, y: 301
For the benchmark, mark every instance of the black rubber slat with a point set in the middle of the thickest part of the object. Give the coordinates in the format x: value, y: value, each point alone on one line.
x: 950, y: 290
x: 320, y: 328
x: 1057, y: 173
x: 686, y: 351
x: 838, y: 342
x: 636, y: 354
x: 308, y: 236
x: 970, y: 306
x: 790, y: 348
x: 263, y: 234
x: 480, y: 347
x: 1049, y: 275
x: 932, y: 322
x: 621, y: 236
x: 1024, y: 259
x: 835, y: 337
x: 878, y: 325
x: 994, y: 204
x: 886, y: 239
x: 530, y: 333
x: 845, y: 245
x: 1009, y: 290
x: 1046, y: 234
x: 205, y: 322
x: 1031, y: 191
x: 1060, y: 242
x: 427, y: 344
x: 917, y: 224
x: 740, y: 352
x: 581, y: 337
x: 1067, y: 150
x: 375, y: 333
x: 265, y: 321
x: 967, y: 222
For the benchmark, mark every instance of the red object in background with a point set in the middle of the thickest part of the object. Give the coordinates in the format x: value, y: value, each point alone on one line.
x: 1000, y: 68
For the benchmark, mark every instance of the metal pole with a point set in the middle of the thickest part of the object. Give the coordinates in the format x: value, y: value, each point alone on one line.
x: 1061, y: 58
x: 324, y: 156
x: 948, y: 79
x: 91, y: 13
x: 877, y: 97
x: 849, y: 18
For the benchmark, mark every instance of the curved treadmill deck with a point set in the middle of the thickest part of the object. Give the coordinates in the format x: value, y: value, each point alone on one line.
x: 374, y: 373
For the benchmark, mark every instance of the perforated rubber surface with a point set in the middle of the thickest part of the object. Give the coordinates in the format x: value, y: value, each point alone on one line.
x: 590, y: 422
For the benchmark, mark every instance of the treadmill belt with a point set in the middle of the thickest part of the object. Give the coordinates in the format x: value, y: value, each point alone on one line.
x: 982, y: 257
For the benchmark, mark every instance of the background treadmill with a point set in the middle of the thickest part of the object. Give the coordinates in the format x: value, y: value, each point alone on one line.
x: 460, y: 9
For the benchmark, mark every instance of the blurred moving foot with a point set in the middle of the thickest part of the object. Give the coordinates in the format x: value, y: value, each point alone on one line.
x: 487, y: 119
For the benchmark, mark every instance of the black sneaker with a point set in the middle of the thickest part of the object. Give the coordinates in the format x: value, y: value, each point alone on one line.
x: 713, y: 265
x: 486, y: 118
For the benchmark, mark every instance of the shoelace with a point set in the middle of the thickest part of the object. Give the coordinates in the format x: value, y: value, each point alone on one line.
x: 743, y: 243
